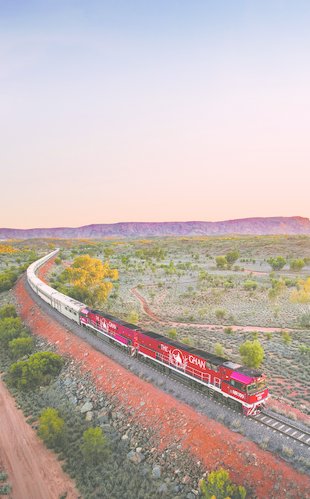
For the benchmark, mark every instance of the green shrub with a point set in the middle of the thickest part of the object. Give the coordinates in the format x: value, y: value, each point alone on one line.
x: 172, y: 333
x: 252, y: 353
x: 94, y: 446
x: 304, y: 320
x: 20, y: 347
x: 228, y: 330
x: 232, y: 257
x: 221, y: 262
x: 187, y: 341
x: 51, y: 427
x: 304, y: 350
x: 7, y: 280
x: 220, y: 313
x: 297, y: 264
x: 38, y: 370
x: 3, y: 476
x: 250, y: 285
x: 10, y: 328
x: 5, y: 489
x: 219, y: 486
x: 286, y: 337
x: 133, y: 317
x: 219, y: 350
x: 7, y: 311
x: 277, y: 263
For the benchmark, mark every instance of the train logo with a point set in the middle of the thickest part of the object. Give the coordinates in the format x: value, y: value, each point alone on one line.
x: 103, y: 325
x: 177, y: 358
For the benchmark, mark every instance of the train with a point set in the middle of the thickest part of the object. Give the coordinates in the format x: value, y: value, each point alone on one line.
x: 240, y: 387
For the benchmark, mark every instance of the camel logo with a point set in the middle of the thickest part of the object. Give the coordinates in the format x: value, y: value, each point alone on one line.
x: 177, y: 358
x: 103, y: 325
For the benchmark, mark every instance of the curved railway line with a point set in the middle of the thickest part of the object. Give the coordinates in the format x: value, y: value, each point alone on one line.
x: 270, y: 420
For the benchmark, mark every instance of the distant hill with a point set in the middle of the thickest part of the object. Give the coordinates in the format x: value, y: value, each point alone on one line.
x: 255, y: 226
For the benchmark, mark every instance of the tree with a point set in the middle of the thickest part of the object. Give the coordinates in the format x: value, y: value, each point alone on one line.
x: 87, y: 271
x: 232, y: 257
x: 252, y: 353
x: 221, y: 262
x: 219, y: 486
x: 7, y: 311
x: 94, y: 446
x: 297, y: 264
x: 277, y: 263
x: 51, y: 427
x: 302, y: 295
x: 20, y: 347
x: 88, y: 278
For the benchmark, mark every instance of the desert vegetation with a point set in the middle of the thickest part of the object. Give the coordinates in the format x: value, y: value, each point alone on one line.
x: 88, y: 280
x: 261, y: 282
x: 218, y: 485
x: 207, y: 306
x: 78, y: 424
x: 5, y: 487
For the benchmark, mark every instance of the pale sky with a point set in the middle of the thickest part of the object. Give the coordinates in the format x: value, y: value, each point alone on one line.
x: 159, y: 110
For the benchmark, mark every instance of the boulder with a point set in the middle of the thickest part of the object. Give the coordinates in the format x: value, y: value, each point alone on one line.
x: 86, y: 407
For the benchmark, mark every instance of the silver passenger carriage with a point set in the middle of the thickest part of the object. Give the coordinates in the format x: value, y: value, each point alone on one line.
x: 64, y: 304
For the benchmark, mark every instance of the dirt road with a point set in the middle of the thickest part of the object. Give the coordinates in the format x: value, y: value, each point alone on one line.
x: 33, y: 470
x: 146, y: 308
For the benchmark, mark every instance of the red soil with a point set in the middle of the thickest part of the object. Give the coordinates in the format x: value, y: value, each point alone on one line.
x: 210, y: 442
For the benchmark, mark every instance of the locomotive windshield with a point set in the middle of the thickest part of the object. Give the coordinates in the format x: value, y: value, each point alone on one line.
x: 256, y: 387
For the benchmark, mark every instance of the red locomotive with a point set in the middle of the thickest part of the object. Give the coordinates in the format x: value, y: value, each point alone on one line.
x: 240, y: 386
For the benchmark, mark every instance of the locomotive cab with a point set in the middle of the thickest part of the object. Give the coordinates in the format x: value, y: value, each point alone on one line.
x: 245, y: 386
x: 258, y: 386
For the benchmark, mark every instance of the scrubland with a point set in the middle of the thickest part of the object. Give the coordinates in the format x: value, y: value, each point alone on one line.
x: 201, y: 302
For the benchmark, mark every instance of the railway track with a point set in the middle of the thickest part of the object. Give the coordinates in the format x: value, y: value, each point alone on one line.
x: 272, y: 421
x: 286, y: 428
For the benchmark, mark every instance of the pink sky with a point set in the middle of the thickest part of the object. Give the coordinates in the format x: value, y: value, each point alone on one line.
x: 186, y: 114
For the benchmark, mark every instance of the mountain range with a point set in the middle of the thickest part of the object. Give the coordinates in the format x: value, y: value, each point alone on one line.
x: 255, y: 226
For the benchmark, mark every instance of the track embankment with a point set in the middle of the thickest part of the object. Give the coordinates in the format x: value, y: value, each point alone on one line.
x: 171, y: 420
